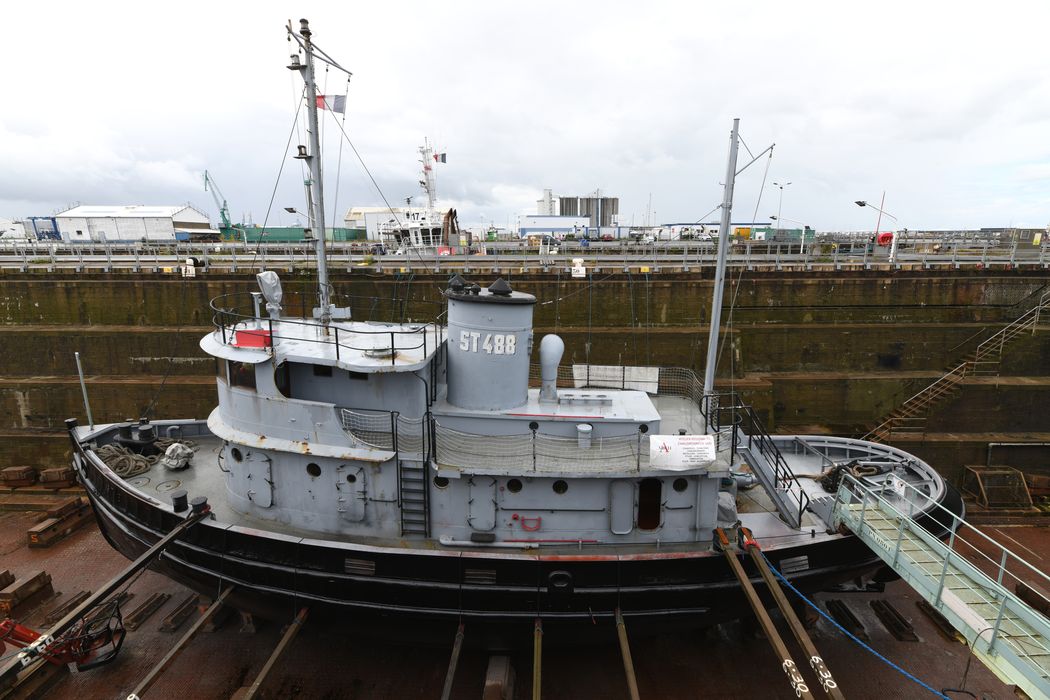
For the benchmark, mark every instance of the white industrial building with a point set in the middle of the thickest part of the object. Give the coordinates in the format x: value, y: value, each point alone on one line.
x: 557, y: 226
x: 133, y: 223
x: 12, y: 230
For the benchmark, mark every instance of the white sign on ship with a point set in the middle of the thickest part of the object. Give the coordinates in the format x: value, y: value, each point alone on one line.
x: 681, y: 452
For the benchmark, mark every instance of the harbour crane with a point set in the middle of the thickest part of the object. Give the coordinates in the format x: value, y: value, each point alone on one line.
x: 227, y: 228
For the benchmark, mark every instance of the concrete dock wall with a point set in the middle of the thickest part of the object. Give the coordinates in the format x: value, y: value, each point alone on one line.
x: 813, y: 351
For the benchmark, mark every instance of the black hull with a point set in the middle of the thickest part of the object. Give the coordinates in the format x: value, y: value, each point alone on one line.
x: 413, y: 590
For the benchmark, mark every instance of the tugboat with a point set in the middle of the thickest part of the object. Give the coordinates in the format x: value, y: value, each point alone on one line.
x: 413, y: 472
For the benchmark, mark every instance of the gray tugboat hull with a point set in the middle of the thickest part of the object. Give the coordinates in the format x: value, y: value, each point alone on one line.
x: 408, y: 592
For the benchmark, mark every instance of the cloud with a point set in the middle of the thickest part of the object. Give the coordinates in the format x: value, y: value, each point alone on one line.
x: 634, y: 100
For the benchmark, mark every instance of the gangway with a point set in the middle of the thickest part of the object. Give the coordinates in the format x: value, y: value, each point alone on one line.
x: 1004, y: 632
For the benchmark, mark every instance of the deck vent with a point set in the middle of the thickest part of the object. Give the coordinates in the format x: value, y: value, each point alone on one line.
x: 360, y: 567
x: 501, y: 288
x: 482, y: 577
x: 380, y: 351
x: 793, y: 565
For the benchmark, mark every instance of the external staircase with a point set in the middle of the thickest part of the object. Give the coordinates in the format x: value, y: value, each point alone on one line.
x: 911, y: 416
x: 972, y: 592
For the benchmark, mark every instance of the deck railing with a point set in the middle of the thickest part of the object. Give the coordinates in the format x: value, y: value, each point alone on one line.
x: 728, y: 411
x: 233, y: 315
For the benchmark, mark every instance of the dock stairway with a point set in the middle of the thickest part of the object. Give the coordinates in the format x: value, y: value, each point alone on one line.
x: 1006, y: 633
x: 911, y: 416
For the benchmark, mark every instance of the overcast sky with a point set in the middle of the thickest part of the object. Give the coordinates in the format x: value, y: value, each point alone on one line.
x: 945, y: 106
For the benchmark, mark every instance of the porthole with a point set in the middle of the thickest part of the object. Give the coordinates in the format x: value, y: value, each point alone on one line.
x: 680, y: 484
x: 236, y: 454
x: 313, y: 469
x: 514, y: 485
x: 351, y: 478
x: 560, y: 486
x: 441, y: 482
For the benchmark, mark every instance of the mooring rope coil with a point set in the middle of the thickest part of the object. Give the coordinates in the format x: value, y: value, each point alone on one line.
x: 127, y: 464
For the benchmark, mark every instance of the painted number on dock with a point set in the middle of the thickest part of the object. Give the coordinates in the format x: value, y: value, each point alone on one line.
x: 491, y: 344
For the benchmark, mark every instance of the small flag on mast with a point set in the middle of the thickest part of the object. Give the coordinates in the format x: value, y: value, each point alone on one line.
x: 335, y: 103
x: 440, y: 157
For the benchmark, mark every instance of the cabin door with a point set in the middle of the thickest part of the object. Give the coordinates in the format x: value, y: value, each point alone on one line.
x: 352, y: 487
x: 252, y: 477
x: 481, y: 504
x: 621, y: 506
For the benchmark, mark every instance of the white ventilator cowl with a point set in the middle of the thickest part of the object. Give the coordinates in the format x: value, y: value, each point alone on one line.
x: 551, y: 349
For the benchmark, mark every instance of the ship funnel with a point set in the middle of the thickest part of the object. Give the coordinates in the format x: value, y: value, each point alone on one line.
x: 551, y: 349
x: 270, y: 286
x: 489, y: 343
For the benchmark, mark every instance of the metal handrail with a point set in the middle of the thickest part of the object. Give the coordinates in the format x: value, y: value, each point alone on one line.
x: 784, y: 479
x: 1014, y: 328
x: 228, y: 332
x: 230, y: 320
x: 1019, y: 635
x: 993, y: 345
x: 854, y: 486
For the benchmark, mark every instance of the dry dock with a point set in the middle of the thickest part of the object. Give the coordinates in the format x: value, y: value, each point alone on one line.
x: 731, y: 661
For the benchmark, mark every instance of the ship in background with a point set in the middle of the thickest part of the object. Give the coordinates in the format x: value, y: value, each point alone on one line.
x: 453, y: 468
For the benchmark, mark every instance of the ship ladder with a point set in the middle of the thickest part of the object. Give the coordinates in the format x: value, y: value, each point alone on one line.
x: 413, y: 486
x: 1006, y: 633
x: 827, y: 682
x: 787, y: 664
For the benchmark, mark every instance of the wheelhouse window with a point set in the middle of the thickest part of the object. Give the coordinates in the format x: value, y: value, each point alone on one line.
x: 322, y: 370
x: 649, y: 500
x: 242, y: 374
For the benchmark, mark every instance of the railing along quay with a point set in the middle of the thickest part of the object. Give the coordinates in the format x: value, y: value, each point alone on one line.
x: 605, y: 257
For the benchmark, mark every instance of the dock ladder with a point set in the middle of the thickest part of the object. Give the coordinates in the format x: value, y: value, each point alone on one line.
x: 1003, y: 631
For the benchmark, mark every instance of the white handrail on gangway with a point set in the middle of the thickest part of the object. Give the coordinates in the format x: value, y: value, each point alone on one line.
x: 1004, y: 632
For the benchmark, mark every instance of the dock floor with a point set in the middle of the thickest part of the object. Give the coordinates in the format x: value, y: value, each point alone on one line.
x: 729, y: 661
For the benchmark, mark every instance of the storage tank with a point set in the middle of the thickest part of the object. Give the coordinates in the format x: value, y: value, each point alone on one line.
x: 489, y: 339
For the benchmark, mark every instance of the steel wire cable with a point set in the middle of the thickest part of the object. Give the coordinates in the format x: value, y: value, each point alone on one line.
x: 846, y: 632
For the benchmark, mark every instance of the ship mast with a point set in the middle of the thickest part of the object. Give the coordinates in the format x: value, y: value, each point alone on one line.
x: 429, y: 186
x: 720, y: 269
x: 313, y: 160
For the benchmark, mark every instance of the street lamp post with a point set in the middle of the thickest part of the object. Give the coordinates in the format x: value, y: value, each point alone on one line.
x: 780, y: 206
x: 878, y: 222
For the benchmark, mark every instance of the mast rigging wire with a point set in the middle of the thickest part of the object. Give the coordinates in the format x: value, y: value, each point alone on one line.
x: 740, y: 275
x: 339, y: 162
x: 280, y: 170
x: 375, y: 184
x: 742, y: 268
